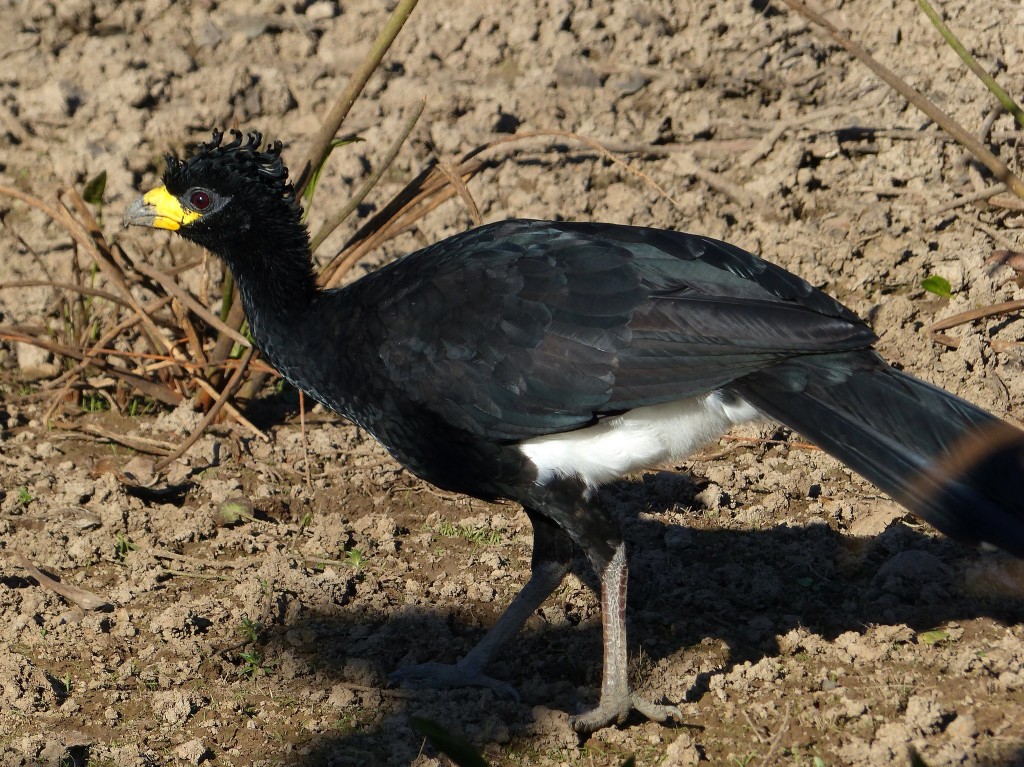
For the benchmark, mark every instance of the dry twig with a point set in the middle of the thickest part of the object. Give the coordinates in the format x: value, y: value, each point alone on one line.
x: 84, y: 599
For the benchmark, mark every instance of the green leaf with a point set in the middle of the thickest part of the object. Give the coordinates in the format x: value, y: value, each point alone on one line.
x: 345, y: 141
x: 933, y: 637
x: 938, y: 285
x: 460, y: 751
x: 94, y: 188
x: 314, y: 179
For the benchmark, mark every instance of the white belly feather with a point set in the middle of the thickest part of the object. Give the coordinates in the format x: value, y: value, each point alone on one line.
x: 638, y: 439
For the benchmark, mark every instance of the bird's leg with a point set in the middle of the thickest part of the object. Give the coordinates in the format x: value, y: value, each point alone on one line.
x: 552, y: 553
x: 607, y: 554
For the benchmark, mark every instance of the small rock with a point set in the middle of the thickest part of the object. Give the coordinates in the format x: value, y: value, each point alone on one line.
x: 853, y: 709
x: 341, y: 696
x: 914, y: 574
x: 183, y: 420
x: 321, y: 10
x: 711, y: 496
x: 300, y: 637
x: 627, y: 83
x: 963, y: 728
x: 34, y: 363
x: 192, y: 751
x: 924, y: 715
x: 572, y: 72
x: 1011, y: 680
x: 682, y: 752
x: 175, y: 707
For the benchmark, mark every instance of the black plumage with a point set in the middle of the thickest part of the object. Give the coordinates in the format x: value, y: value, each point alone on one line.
x: 533, y: 361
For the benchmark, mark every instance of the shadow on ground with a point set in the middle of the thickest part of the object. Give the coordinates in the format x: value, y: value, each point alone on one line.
x: 703, y: 602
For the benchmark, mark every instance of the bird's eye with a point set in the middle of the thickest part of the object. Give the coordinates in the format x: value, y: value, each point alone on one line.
x: 200, y: 200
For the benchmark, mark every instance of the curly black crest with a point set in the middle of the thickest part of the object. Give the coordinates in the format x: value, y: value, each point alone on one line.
x: 240, y: 158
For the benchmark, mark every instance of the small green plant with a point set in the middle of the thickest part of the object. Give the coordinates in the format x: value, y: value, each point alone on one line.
x: 122, y: 547
x: 24, y: 496
x: 66, y: 681
x: 938, y: 285
x: 253, y: 664
x: 314, y: 179
x: 93, y: 191
x: 355, y: 558
x: 141, y: 406
x: 480, y: 534
x: 94, y: 403
x: 234, y: 510
x: 251, y: 629
x: 933, y: 637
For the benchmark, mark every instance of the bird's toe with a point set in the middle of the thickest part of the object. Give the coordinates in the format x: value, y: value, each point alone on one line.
x: 616, y: 711
x: 445, y: 676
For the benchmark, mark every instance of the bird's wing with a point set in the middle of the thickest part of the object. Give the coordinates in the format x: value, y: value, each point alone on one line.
x: 526, y: 328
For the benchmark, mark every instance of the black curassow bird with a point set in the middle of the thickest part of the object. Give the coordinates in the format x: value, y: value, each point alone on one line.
x: 536, y: 361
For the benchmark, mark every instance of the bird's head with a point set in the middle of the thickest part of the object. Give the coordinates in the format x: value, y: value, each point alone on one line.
x: 227, y: 197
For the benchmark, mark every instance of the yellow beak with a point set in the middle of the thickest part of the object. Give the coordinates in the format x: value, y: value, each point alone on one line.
x: 159, y: 209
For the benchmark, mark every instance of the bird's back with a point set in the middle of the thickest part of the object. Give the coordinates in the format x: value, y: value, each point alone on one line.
x: 527, y: 328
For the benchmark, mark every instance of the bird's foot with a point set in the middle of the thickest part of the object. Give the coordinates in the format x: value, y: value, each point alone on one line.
x: 445, y: 676
x: 616, y: 710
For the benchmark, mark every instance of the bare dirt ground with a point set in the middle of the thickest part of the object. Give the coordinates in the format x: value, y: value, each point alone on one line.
x: 794, y: 613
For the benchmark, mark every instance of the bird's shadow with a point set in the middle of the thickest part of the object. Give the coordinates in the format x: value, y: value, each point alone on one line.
x: 694, y: 591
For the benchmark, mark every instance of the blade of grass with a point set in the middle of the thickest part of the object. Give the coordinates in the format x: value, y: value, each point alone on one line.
x: 227, y: 293
x: 322, y: 140
x: 31, y: 200
x: 186, y: 298
x: 133, y: 441
x: 431, y: 188
x: 84, y: 289
x: 335, y: 220
x: 915, y: 97
x: 972, y: 64
x: 161, y: 393
x: 225, y: 342
x: 973, y: 315
x: 189, y: 331
x: 81, y: 234
x: 456, y: 182
x: 100, y: 347
x: 237, y: 377
x: 310, y: 192
x: 234, y: 412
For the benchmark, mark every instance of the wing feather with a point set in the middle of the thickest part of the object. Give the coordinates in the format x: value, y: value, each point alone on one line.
x: 524, y: 328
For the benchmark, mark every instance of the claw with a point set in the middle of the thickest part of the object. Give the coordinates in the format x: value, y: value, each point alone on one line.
x: 609, y: 712
x: 446, y: 676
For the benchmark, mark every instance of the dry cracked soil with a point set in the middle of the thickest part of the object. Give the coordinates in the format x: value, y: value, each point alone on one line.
x: 796, y: 615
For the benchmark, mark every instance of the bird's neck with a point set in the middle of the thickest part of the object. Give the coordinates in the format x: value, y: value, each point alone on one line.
x: 277, y: 284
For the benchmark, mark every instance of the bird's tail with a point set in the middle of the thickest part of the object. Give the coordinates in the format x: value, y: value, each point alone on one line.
x: 956, y: 466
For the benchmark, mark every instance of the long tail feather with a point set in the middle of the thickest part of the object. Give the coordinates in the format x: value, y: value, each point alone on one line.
x: 956, y: 466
